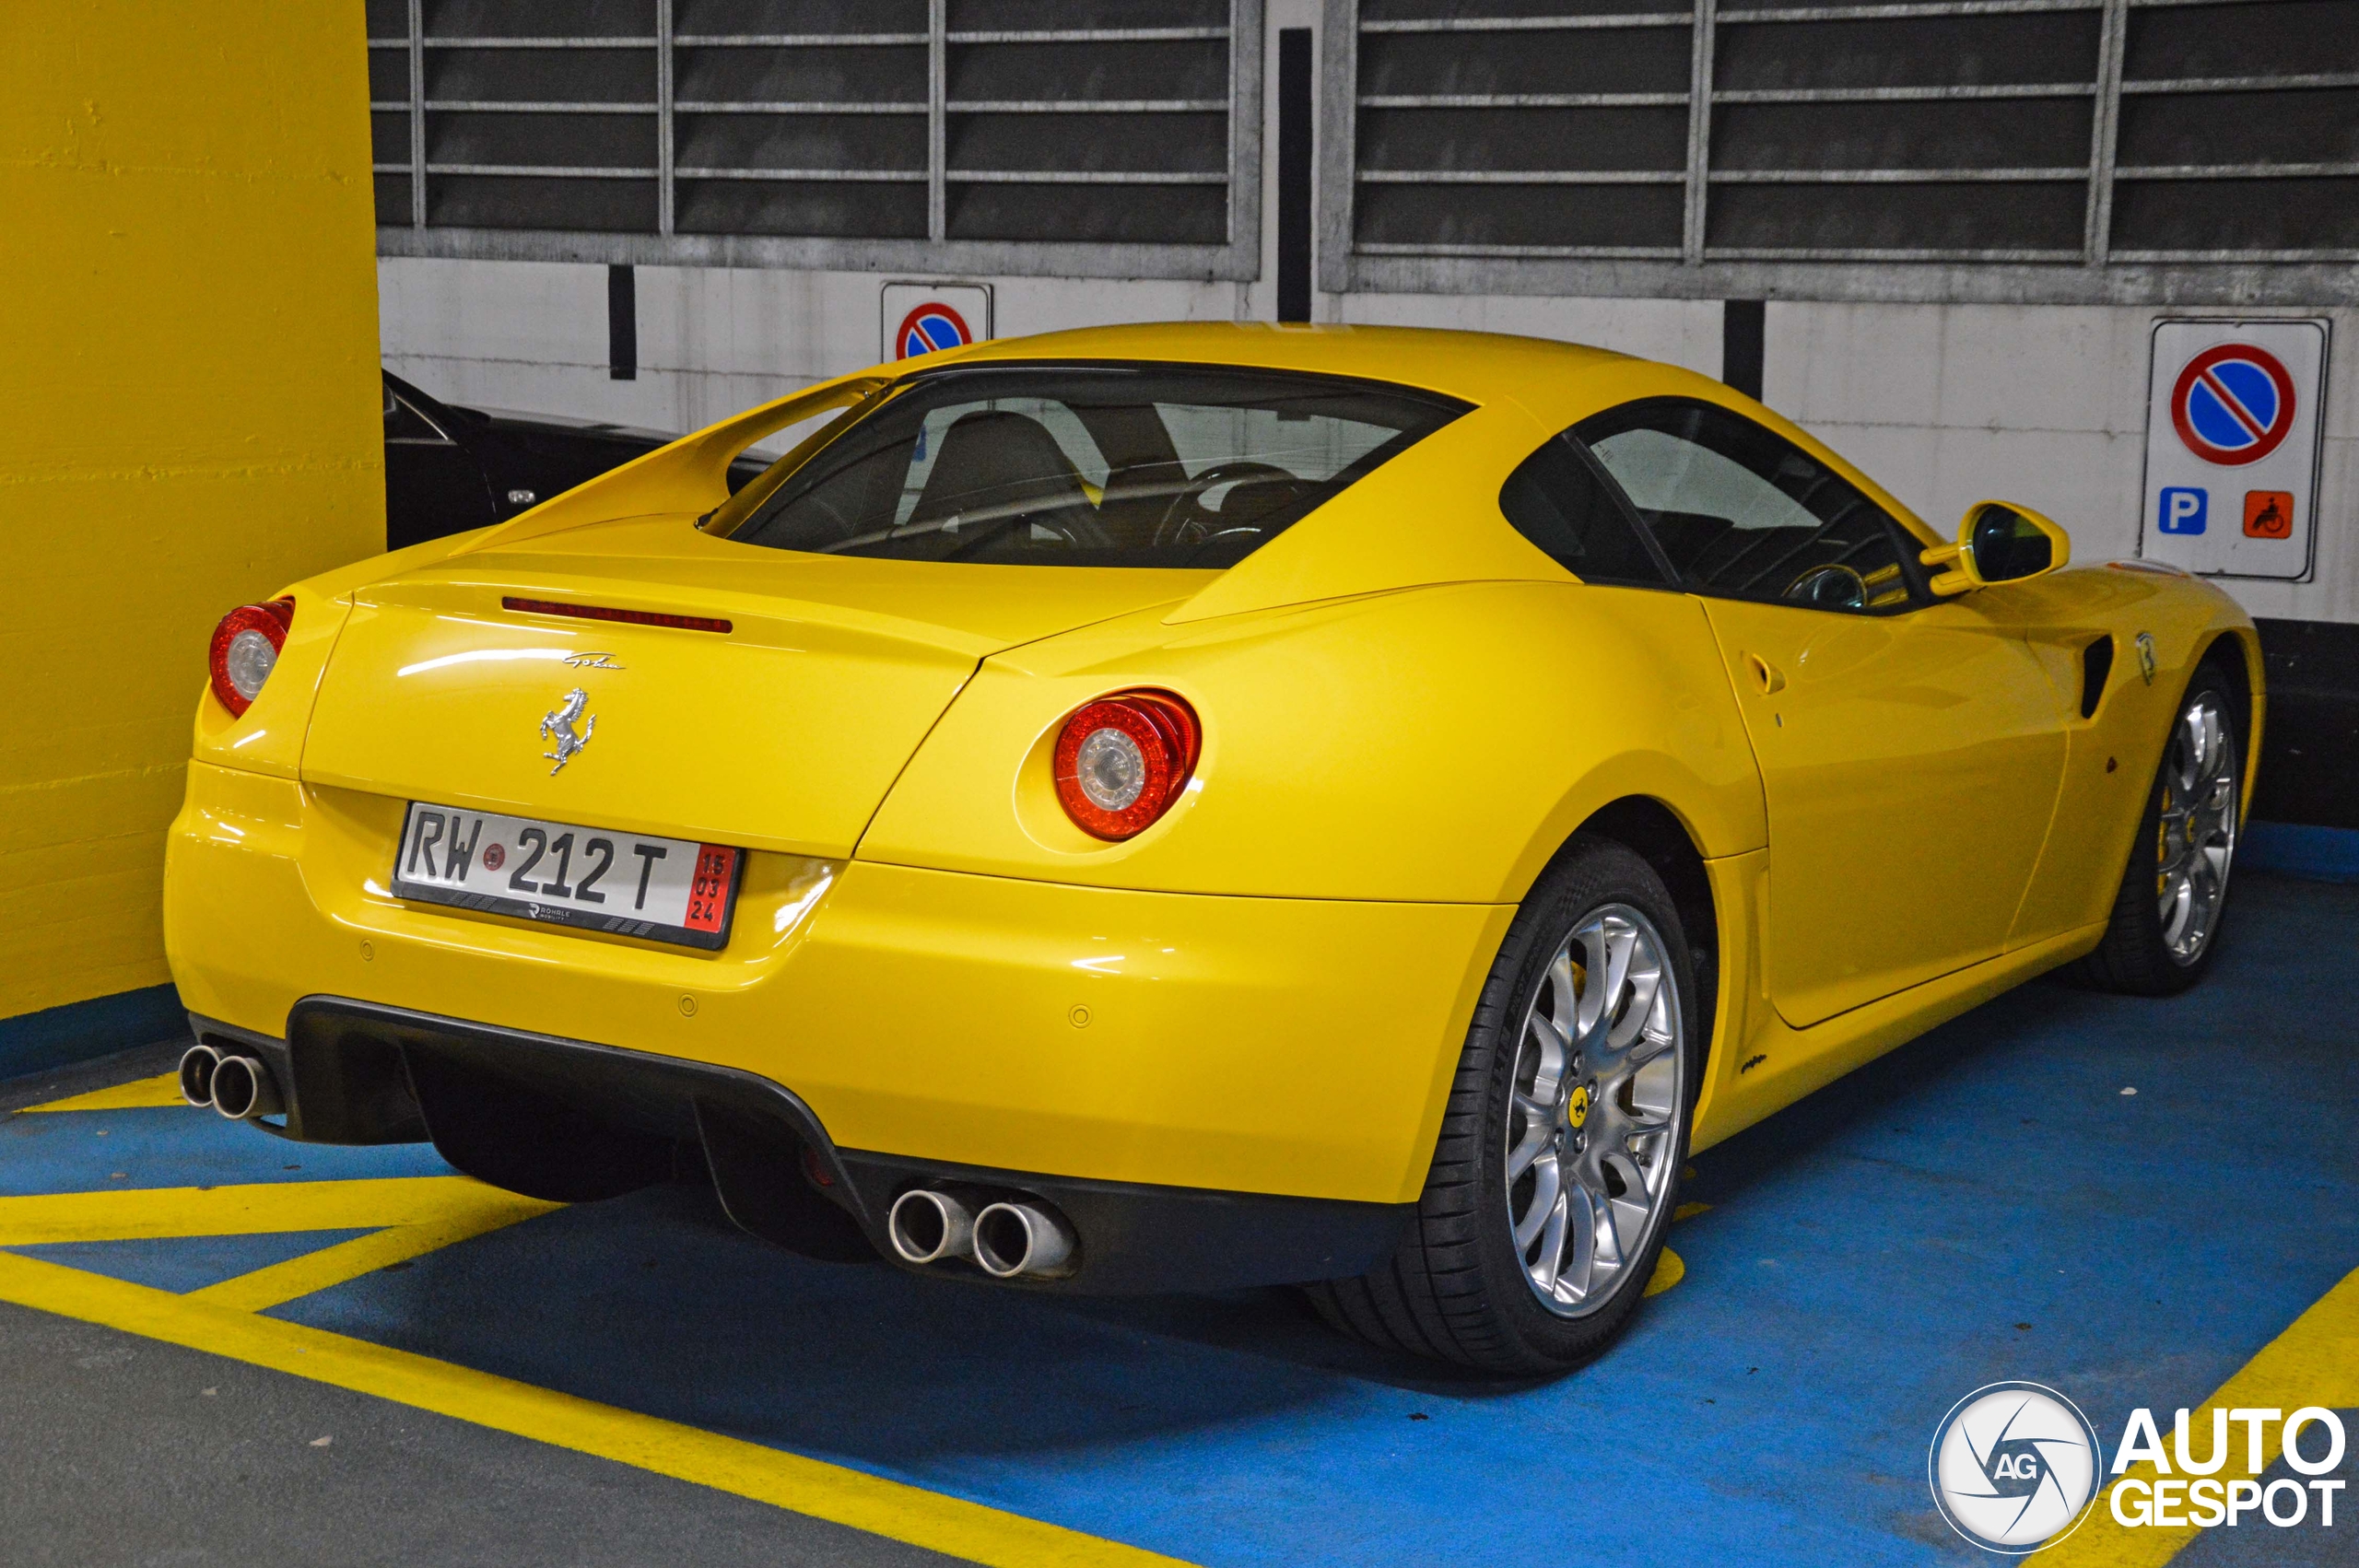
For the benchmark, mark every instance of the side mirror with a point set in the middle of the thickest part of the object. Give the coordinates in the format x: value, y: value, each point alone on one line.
x: 1997, y: 543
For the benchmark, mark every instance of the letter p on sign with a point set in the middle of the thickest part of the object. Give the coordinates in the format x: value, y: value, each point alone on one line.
x: 2183, y: 511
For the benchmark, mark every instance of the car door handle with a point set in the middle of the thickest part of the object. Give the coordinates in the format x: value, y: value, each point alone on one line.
x: 1770, y: 677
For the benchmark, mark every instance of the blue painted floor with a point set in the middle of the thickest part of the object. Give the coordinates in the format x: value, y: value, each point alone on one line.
x: 1987, y: 1204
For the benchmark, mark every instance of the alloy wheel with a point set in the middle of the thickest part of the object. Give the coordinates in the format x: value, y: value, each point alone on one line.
x: 1594, y: 1127
x: 2196, y: 839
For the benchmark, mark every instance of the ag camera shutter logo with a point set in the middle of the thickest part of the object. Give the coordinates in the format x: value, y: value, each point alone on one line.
x: 2014, y: 1467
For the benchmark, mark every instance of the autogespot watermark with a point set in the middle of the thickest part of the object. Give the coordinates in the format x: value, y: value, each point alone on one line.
x: 2016, y: 1467
x: 2312, y: 1441
x: 2013, y: 1466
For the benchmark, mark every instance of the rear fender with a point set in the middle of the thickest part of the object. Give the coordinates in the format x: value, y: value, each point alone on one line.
x: 268, y: 737
x: 1431, y: 745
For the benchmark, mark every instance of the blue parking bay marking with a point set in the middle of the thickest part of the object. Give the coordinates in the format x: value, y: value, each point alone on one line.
x: 1983, y: 1204
x: 182, y: 1264
x: 178, y: 1146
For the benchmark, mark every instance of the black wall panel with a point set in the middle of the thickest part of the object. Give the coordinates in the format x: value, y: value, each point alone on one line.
x: 1058, y: 120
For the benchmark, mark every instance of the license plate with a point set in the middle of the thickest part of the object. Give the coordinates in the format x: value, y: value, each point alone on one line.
x: 663, y: 889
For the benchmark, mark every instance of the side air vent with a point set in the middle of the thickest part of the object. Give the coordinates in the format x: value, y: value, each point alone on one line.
x: 2096, y: 663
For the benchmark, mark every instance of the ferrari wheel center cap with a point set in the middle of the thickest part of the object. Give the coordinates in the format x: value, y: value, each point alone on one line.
x: 1577, y: 1106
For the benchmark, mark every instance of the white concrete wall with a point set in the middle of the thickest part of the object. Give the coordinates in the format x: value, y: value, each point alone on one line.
x: 1945, y: 404
x: 533, y: 334
x: 2043, y: 405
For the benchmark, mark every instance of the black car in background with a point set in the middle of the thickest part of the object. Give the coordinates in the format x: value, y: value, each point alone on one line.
x: 450, y: 469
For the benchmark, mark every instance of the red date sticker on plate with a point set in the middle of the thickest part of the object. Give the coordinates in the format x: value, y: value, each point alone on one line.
x: 708, y: 893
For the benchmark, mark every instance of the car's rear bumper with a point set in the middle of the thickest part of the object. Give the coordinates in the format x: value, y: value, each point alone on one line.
x: 1294, y: 1048
x: 354, y: 1071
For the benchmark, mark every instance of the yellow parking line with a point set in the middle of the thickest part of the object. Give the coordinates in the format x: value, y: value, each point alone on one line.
x: 330, y: 1266
x: 164, y: 1089
x: 2315, y: 1362
x: 844, y: 1496
x: 142, y: 1213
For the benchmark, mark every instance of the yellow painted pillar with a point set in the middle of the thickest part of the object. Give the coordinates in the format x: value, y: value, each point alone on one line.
x: 188, y: 420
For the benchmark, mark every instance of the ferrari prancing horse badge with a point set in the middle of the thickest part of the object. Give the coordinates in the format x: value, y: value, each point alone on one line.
x: 557, y: 728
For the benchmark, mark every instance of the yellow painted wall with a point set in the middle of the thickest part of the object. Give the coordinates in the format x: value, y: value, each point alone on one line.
x: 188, y: 420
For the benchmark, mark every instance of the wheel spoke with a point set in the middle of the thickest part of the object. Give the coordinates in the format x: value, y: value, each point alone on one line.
x: 1536, y: 1137
x: 1645, y: 983
x: 2189, y: 753
x: 1576, y: 1275
x: 1622, y: 1220
x: 1650, y: 1119
x: 1549, y: 1181
x: 1648, y: 1047
x: 1564, y: 994
x: 1607, y: 978
x: 2177, y: 905
x: 1618, y: 947
x: 2202, y: 883
x: 1551, y: 1264
x: 1548, y: 1073
x: 1591, y: 1004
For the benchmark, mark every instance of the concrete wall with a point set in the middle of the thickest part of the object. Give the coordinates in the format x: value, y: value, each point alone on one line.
x: 187, y: 322
x: 2044, y: 404
x: 1945, y: 404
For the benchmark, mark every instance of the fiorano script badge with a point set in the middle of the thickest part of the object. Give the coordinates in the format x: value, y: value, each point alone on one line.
x: 557, y: 728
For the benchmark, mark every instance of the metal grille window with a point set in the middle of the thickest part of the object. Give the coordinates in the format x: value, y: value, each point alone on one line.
x: 1087, y: 137
x: 2018, y: 149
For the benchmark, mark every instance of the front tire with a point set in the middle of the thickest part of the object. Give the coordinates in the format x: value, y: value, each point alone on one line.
x: 1558, y: 1164
x: 2174, y: 894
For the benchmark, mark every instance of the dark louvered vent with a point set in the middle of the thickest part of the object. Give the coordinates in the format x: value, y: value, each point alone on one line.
x: 2072, y: 135
x: 1063, y: 124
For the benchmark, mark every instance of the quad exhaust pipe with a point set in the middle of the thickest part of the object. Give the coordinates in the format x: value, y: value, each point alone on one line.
x: 928, y: 1225
x: 1016, y: 1241
x: 1008, y: 1238
x: 197, y: 1075
x: 239, y: 1087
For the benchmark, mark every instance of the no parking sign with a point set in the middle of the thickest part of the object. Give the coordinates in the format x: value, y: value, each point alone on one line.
x: 925, y: 318
x: 2232, y: 422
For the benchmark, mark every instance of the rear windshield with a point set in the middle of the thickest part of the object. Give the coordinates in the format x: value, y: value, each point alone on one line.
x: 1169, y: 465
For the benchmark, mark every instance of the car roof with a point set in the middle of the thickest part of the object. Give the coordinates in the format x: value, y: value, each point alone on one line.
x: 1476, y: 367
x: 1522, y: 389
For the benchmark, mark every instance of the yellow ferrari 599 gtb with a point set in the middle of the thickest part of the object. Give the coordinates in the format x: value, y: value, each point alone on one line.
x: 1184, y: 807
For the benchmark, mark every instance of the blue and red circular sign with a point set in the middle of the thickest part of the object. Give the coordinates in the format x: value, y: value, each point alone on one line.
x: 930, y: 328
x: 2234, y: 404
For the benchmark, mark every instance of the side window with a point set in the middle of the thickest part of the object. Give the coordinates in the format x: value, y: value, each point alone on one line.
x: 1556, y: 500
x: 1744, y: 513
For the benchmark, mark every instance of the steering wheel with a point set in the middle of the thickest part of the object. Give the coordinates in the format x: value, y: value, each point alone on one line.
x: 1830, y: 588
x: 1187, y: 520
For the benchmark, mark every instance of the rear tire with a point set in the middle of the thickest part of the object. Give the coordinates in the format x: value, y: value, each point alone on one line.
x: 2174, y: 894
x: 1557, y: 1167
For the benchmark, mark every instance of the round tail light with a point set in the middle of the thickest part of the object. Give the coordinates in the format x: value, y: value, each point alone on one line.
x: 245, y: 650
x: 1122, y: 760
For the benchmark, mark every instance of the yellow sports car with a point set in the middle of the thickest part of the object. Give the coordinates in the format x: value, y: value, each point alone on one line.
x: 1182, y: 807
